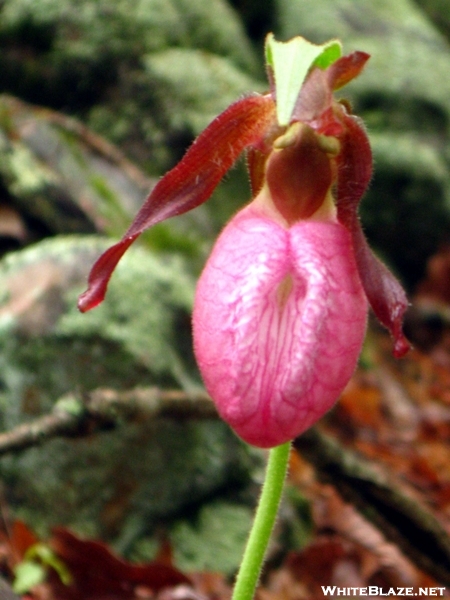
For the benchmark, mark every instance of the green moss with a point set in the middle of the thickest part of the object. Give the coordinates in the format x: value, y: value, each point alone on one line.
x: 194, y: 85
x: 91, y: 63
x: 215, y: 541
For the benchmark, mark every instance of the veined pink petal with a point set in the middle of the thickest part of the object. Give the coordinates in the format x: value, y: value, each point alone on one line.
x: 279, y: 321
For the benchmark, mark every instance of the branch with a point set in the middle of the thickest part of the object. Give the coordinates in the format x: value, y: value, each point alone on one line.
x: 402, y: 518
x: 103, y: 408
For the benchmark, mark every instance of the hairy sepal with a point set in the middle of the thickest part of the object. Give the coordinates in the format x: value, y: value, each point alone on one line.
x: 384, y: 292
x: 279, y: 322
x: 315, y: 100
x: 191, y: 182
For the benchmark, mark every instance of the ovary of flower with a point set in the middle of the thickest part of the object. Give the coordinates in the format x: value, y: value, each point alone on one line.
x: 279, y: 321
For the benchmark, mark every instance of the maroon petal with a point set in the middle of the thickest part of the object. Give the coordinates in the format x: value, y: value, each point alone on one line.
x: 354, y: 165
x: 299, y: 175
x: 190, y: 183
x: 316, y: 96
x: 385, y: 294
x: 346, y: 68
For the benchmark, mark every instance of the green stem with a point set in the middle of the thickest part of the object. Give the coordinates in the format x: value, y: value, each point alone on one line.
x: 266, y: 514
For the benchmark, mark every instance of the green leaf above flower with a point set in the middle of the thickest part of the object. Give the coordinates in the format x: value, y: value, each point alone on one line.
x: 290, y: 63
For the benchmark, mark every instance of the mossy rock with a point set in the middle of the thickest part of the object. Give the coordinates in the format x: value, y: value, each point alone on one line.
x: 194, y: 80
x: 91, y: 60
x: 140, y: 335
x: 437, y: 11
x: 126, y: 483
x: 62, y: 178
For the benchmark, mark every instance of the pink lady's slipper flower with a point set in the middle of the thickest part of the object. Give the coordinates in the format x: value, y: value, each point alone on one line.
x: 281, y: 307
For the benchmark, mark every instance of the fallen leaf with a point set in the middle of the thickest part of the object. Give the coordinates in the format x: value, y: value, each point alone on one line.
x: 99, y: 575
x: 21, y: 538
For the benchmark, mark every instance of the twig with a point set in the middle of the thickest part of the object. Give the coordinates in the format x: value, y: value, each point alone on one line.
x: 76, y: 416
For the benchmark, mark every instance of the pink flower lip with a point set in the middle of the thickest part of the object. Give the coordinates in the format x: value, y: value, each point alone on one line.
x: 279, y: 321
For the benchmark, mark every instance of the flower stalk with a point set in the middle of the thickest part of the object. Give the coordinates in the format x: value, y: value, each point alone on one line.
x: 266, y: 513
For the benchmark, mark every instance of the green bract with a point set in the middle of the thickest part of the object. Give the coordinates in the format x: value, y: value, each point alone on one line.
x: 290, y: 63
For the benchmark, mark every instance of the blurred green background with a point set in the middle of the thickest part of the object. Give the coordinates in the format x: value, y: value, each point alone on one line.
x: 98, y: 98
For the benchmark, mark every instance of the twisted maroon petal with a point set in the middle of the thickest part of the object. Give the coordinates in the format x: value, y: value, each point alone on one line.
x: 316, y: 96
x: 190, y: 183
x: 384, y: 292
x: 346, y: 68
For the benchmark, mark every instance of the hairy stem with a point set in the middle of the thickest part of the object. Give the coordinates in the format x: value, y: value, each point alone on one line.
x: 266, y: 514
